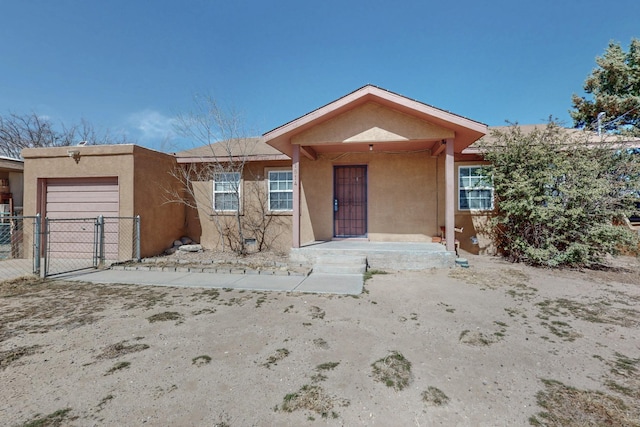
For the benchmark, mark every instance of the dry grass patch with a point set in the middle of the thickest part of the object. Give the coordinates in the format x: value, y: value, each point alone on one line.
x: 120, y: 349
x: 319, y: 375
x: 166, y: 316
x: 201, y: 360
x: 55, y: 419
x: 104, y: 401
x: 7, y: 357
x: 625, y: 377
x: 328, y: 366
x: 477, y: 338
x: 434, y: 396
x: 491, y: 279
x: 237, y: 301
x: 208, y: 294
x: 280, y: 354
x: 118, y: 367
x: 312, y: 398
x: 21, y: 286
x: 600, y: 311
x: 394, y: 371
x: 317, y: 312
x: 562, y: 330
x: 46, y: 305
x: 370, y: 273
x: 321, y: 343
x: 569, y: 407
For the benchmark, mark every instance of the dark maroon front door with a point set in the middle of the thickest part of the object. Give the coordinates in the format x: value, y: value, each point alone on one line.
x: 350, y: 201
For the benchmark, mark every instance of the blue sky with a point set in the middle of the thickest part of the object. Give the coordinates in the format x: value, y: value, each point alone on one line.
x: 131, y: 66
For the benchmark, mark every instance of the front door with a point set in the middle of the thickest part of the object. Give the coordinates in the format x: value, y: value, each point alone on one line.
x: 350, y: 201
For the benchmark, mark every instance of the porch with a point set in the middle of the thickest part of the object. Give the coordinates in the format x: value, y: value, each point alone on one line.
x: 379, y: 255
x: 375, y: 164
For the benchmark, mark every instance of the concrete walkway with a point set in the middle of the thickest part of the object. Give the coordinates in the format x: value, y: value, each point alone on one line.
x: 345, y: 284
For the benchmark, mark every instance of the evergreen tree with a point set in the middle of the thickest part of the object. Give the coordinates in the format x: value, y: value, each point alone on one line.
x: 615, y: 88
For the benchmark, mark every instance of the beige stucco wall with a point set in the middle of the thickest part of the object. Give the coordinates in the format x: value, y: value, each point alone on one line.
x: 405, y: 192
x: 161, y: 222
x: 401, y: 193
x: 371, y: 122
x: 141, y: 174
x: 473, y: 222
x: 406, y: 199
x: 204, y: 226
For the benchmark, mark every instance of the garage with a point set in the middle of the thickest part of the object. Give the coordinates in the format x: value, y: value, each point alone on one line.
x: 71, y: 206
x: 124, y: 180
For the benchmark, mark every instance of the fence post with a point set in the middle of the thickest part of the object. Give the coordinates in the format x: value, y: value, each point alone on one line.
x: 101, y: 254
x: 138, y: 238
x: 37, y: 238
x: 44, y: 268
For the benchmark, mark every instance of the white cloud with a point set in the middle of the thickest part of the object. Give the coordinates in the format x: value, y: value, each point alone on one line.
x: 152, y: 127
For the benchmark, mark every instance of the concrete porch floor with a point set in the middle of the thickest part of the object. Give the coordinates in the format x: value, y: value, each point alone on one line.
x: 380, y: 255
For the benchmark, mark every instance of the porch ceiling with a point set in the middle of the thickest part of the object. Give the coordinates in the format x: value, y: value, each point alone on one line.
x: 374, y: 116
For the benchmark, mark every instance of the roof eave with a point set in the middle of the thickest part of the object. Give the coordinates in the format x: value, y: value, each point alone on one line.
x: 229, y: 159
x: 467, y: 131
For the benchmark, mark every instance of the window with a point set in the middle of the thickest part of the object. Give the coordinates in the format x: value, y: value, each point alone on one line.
x: 475, y: 191
x: 226, y: 191
x: 280, y: 190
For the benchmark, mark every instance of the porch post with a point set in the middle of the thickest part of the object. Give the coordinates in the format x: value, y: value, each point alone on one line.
x: 296, y: 195
x: 450, y: 195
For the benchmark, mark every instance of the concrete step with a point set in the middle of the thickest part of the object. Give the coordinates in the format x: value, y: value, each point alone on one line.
x: 341, y: 259
x: 339, y: 269
x: 381, y: 256
x: 340, y: 264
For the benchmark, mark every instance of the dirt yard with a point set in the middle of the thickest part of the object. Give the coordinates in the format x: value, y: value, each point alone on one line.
x: 496, y: 344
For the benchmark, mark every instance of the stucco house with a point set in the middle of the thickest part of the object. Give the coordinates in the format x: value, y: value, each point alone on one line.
x: 372, y: 165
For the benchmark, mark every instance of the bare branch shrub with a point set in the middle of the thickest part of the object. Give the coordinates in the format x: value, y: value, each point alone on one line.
x: 214, y: 177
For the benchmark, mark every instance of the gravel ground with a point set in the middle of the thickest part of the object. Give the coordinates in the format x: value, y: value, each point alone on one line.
x: 496, y: 344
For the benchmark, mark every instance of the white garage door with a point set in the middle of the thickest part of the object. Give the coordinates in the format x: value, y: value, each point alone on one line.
x: 83, y: 199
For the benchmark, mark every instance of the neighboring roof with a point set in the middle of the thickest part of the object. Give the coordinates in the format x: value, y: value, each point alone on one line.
x: 11, y: 164
x: 466, y: 130
x: 591, y: 137
x: 252, y: 148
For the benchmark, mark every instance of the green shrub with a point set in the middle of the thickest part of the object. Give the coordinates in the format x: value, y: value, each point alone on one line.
x: 559, y: 196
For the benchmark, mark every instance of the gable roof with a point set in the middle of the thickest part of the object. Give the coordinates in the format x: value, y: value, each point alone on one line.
x: 466, y: 130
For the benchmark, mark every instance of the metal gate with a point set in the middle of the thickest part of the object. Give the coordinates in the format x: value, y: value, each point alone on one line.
x: 50, y: 246
x: 72, y: 244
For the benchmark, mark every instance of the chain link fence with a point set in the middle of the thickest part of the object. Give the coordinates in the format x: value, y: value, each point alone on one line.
x: 121, y: 239
x: 51, y: 246
x: 17, y: 246
x: 74, y: 244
